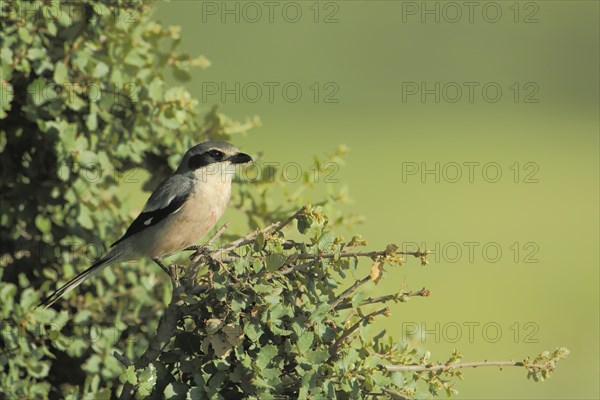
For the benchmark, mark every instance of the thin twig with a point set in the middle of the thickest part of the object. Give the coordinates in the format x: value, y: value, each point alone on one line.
x: 252, y: 236
x: 122, y: 359
x: 217, y: 235
x: 205, y: 249
x: 338, y: 343
x: 282, y: 224
x: 458, y: 365
x: 370, y: 254
x: 249, y: 238
x: 349, y: 291
x: 389, y: 392
x: 390, y: 297
x: 295, y: 268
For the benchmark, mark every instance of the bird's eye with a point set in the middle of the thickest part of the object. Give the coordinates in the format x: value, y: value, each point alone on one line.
x: 216, y: 154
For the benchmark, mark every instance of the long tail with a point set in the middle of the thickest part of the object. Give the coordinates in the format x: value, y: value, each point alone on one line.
x: 73, y: 283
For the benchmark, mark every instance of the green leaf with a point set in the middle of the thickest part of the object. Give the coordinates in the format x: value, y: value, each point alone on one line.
x: 305, y: 341
x: 176, y: 390
x: 133, y: 58
x: 91, y: 121
x: 147, y: 381
x: 29, y: 297
x: 24, y: 34
x: 51, y: 27
x: 42, y: 223
x: 317, y: 357
x: 275, y: 261
x: 325, y: 241
x: 36, y: 53
x: 76, y: 347
x: 73, y: 101
x: 130, y: 376
x: 84, y: 219
x: 253, y: 331
x: 304, y: 223
x: 82, y: 316
x: 61, y: 75
x: 260, y: 288
x: 38, y: 369
x: 266, y: 355
x: 7, y: 294
x: 280, y: 310
x: 6, y: 55
x: 92, y: 365
x: 100, y: 70
x: 156, y: 89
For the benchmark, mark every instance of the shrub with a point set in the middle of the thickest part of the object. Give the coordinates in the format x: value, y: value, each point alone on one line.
x: 85, y: 110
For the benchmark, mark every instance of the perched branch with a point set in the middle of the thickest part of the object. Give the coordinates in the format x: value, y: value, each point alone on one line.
x: 252, y: 236
x: 217, y: 235
x: 249, y: 238
x: 202, y: 251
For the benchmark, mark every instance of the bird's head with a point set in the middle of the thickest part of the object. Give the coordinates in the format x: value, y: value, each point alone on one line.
x: 212, y: 157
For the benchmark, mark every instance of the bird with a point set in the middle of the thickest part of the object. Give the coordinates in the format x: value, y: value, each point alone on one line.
x: 183, y: 208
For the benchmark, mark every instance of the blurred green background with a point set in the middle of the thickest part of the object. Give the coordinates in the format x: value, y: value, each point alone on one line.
x: 365, y: 56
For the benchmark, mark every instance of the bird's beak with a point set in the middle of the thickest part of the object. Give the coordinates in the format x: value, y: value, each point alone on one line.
x: 240, y: 158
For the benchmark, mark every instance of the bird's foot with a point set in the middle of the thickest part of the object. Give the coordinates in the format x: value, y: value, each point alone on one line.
x: 193, y: 248
x: 171, y: 270
x: 199, y: 252
x: 160, y: 264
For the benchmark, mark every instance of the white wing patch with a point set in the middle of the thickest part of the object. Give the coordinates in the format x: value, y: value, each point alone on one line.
x: 149, y: 220
x: 176, y: 211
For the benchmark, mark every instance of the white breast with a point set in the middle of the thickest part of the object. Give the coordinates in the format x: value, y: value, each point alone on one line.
x: 197, y: 216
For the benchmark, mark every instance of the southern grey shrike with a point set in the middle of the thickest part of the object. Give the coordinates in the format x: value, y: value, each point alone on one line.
x: 184, y: 208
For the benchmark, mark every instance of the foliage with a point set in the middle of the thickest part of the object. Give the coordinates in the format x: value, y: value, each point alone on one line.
x: 85, y: 107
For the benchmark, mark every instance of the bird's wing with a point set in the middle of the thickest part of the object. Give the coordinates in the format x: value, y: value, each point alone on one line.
x: 166, y: 200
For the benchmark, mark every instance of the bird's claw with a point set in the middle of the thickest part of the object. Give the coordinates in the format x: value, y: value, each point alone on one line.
x: 200, y: 252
